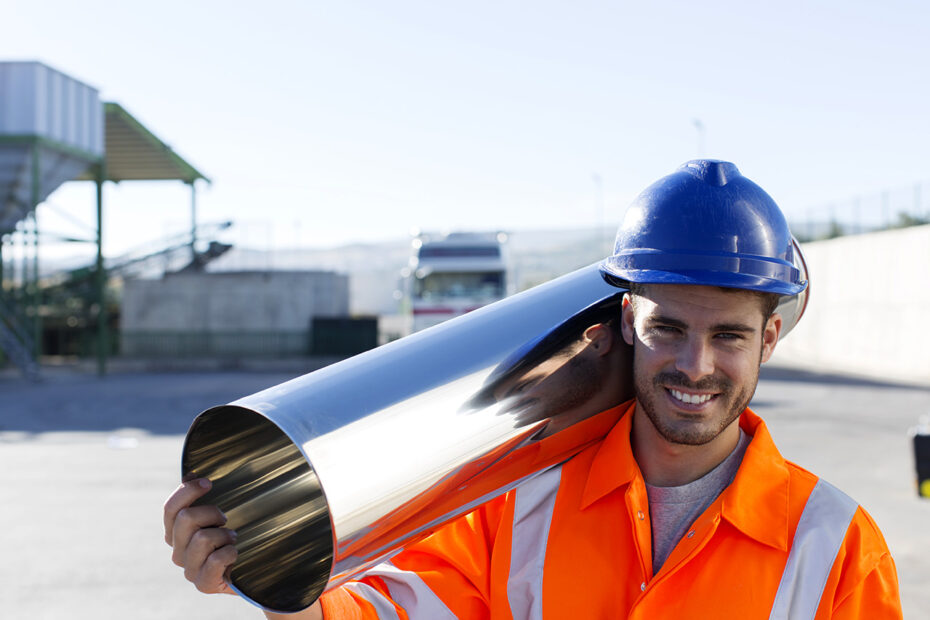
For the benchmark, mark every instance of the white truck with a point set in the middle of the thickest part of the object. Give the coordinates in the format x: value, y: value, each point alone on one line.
x: 455, y: 273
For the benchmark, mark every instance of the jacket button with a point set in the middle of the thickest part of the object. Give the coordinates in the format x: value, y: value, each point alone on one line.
x: 640, y: 515
x: 691, y: 534
x: 642, y: 587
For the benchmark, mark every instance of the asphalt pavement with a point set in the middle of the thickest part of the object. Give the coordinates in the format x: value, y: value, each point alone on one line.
x: 86, y: 463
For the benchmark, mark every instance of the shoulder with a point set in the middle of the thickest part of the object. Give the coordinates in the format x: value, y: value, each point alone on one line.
x: 863, y: 572
x: 861, y: 529
x: 864, y: 579
x: 864, y: 539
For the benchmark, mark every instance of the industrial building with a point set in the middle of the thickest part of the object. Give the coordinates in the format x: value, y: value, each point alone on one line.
x: 229, y: 314
x: 55, y: 129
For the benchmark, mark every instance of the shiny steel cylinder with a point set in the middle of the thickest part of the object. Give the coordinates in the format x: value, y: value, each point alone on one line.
x: 330, y: 473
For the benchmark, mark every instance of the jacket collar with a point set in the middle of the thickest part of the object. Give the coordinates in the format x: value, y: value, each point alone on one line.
x: 613, y: 465
x: 756, y: 502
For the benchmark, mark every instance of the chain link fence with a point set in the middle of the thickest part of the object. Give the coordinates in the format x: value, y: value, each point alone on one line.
x: 893, y: 208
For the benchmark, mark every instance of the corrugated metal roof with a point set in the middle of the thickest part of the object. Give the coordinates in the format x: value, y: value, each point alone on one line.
x: 133, y: 153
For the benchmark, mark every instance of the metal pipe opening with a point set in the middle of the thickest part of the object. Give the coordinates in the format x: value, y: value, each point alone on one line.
x: 272, y: 500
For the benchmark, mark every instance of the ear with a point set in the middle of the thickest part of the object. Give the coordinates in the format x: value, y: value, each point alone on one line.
x: 599, y: 337
x: 770, y: 336
x: 626, y: 320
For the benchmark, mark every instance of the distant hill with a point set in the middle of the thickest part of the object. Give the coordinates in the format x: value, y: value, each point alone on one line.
x: 374, y: 268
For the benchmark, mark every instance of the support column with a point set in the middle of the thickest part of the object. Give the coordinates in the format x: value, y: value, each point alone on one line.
x: 103, y: 339
x: 21, y: 297
x: 193, y: 221
x: 3, y: 358
x: 36, y: 296
x: 33, y: 293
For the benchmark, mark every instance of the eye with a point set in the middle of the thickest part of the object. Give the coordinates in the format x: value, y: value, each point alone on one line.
x: 729, y: 336
x: 523, y: 386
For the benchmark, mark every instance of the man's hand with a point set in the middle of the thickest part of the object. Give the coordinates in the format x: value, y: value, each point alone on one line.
x: 202, y: 546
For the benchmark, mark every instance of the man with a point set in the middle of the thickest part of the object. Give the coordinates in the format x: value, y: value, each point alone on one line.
x: 685, y: 509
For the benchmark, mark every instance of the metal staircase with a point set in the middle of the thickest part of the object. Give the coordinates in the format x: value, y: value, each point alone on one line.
x: 16, y: 343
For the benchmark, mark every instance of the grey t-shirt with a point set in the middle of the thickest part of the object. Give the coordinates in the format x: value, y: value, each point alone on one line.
x: 672, y: 510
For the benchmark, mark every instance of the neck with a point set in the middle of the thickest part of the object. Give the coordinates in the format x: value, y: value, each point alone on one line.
x: 666, y: 464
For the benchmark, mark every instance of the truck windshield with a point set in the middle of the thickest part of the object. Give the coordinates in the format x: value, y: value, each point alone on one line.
x: 480, y: 285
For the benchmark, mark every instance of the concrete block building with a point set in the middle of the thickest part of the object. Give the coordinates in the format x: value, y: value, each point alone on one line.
x: 229, y: 314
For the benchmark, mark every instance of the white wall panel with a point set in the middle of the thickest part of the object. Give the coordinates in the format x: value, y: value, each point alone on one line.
x: 869, y: 308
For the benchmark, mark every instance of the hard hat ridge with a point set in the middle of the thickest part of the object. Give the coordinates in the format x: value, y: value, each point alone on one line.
x: 711, y: 171
x: 706, y: 224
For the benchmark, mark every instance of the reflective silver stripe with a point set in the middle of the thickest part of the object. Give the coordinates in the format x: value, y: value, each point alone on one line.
x: 382, y: 605
x: 410, y: 592
x: 533, y: 505
x: 821, y: 531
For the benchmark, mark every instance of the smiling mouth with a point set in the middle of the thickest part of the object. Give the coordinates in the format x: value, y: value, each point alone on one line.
x: 690, y: 399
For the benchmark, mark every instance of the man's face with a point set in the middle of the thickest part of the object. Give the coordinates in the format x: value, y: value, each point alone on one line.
x: 558, y: 385
x: 696, y: 357
x: 587, y: 376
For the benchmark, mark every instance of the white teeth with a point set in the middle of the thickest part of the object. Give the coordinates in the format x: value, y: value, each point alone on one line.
x: 692, y: 399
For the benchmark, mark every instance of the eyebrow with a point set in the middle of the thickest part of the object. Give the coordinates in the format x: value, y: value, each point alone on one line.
x: 667, y: 320
x: 734, y: 327
x: 522, y: 383
x: 720, y: 327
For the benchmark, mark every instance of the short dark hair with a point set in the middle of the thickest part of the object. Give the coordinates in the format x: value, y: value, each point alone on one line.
x: 768, y: 301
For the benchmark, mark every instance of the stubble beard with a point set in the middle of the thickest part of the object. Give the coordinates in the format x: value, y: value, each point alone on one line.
x: 650, y: 389
x: 581, y: 385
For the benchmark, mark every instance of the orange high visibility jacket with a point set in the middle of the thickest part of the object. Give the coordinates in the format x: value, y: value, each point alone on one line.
x: 575, y: 542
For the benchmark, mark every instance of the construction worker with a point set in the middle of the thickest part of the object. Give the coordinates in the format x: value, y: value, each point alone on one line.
x: 685, y: 509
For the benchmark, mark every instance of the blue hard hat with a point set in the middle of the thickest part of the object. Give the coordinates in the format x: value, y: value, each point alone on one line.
x: 706, y: 224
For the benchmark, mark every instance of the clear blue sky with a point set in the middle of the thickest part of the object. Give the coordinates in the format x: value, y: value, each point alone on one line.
x: 322, y: 123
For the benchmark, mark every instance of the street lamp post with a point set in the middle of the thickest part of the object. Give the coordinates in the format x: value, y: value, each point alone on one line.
x: 699, y: 126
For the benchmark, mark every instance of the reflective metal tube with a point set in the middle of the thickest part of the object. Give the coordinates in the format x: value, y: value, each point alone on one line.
x: 330, y: 473
x: 326, y: 475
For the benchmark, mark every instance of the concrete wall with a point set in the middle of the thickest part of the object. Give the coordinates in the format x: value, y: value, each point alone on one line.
x: 869, y: 309
x: 244, y: 305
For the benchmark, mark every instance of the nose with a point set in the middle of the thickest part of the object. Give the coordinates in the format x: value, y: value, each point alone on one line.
x: 695, y: 359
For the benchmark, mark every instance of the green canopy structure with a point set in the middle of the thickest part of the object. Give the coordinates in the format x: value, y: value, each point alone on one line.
x: 133, y: 153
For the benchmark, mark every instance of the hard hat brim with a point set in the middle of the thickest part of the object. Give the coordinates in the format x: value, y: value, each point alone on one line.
x: 728, y: 270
